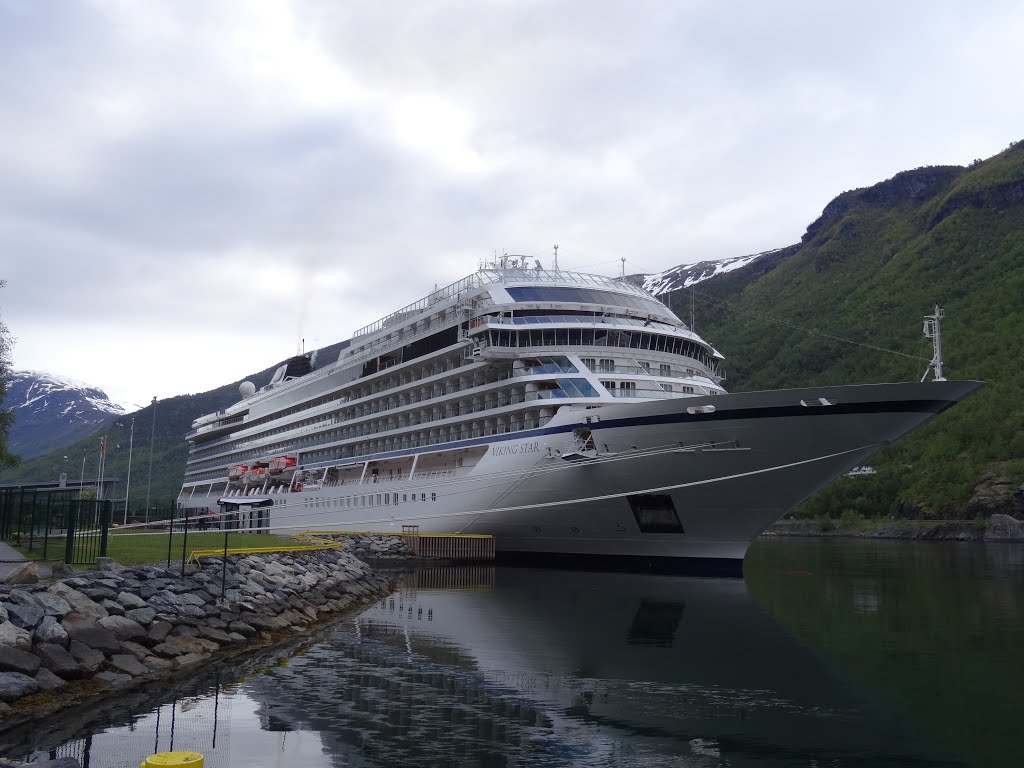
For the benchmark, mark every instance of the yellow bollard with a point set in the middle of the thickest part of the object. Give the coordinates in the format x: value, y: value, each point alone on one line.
x: 166, y: 759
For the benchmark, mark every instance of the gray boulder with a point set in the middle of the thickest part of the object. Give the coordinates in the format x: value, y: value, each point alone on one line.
x: 79, y: 602
x: 61, y: 570
x: 128, y: 600
x: 127, y: 664
x: 140, y: 652
x: 112, y: 607
x: 92, y: 635
x: 122, y: 627
x: 49, y: 630
x: 24, y: 616
x: 10, y: 635
x: 89, y: 658
x: 217, y: 635
x: 1004, y: 528
x: 189, y: 659
x: 59, y: 661
x: 14, y: 685
x: 52, y: 605
x: 15, y: 660
x: 47, y: 681
x: 113, y: 679
x: 159, y: 630
x: 144, y: 615
x: 28, y: 573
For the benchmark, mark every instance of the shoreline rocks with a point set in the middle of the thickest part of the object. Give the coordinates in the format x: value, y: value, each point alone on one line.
x: 997, y: 528
x: 101, y: 631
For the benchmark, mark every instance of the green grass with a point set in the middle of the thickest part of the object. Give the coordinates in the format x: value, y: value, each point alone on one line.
x: 134, y: 549
x: 151, y: 547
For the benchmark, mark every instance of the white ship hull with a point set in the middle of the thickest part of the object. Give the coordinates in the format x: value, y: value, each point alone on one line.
x: 665, y: 487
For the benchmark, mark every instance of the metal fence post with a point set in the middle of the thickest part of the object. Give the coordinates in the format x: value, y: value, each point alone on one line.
x: 184, y: 543
x: 224, y: 571
x: 69, y: 541
x: 170, y: 537
x: 21, y: 518
x: 105, y: 513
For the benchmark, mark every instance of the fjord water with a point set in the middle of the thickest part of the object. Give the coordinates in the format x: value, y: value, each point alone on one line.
x: 829, y: 653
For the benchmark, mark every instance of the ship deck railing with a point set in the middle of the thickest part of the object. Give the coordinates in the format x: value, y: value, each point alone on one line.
x: 490, y: 276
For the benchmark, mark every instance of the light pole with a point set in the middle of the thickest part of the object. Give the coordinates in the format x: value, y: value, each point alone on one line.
x: 128, y: 483
x: 152, y: 434
x: 81, y: 479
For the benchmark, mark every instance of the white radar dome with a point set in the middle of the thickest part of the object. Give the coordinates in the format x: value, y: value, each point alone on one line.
x: 246, y: 389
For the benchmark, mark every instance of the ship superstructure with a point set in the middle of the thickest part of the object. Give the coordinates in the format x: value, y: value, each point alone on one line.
x: 564, y: 413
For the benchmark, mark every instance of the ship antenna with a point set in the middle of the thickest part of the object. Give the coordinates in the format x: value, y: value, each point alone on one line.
x: 556, y: 258
x: 933, y: 330
x: 623, y: 260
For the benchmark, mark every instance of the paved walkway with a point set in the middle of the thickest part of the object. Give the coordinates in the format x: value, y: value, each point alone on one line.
x: 10, y: 554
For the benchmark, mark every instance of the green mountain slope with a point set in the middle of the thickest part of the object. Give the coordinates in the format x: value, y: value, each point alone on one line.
x: 868, y: 269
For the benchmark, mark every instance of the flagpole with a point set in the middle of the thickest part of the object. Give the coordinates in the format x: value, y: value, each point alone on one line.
x: 128, y: 484
x: 101, y: 467
x: 152, y: 434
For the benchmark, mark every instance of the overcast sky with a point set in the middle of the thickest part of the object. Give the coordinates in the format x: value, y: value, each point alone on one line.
x: 188, y: 188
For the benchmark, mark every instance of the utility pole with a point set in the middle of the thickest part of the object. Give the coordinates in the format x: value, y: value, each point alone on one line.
x: 152, y: 434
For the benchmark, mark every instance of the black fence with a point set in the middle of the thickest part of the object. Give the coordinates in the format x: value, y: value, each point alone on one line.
x: 56, y: 525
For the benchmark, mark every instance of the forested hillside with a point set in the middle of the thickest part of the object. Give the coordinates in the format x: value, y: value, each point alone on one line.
x: 868, y: 269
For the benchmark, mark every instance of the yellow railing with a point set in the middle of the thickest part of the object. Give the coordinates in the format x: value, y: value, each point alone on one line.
x: 318, y: 543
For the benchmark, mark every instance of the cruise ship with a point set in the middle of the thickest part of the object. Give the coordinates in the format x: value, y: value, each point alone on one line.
x: 571, y: 416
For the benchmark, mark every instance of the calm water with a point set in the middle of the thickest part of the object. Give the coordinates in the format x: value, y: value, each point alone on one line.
x: 831, y: 653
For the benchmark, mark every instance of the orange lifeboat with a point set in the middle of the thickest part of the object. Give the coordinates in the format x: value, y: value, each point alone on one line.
x: 237, y: 473
x: 257, y: 474
x: 281, y: 464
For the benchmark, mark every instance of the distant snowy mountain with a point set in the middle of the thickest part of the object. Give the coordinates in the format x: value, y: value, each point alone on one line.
x: 51, y: 411
x: 686, y: 275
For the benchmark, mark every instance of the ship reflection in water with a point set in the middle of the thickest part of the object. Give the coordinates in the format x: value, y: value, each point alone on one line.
x: 527, y: 667
x: 568, y: 668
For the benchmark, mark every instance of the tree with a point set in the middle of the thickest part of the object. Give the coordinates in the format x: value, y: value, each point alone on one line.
x: 7, y: 459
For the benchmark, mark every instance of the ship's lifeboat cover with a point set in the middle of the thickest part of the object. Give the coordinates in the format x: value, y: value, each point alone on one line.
x: 280, y: 464
x: 237, y: 471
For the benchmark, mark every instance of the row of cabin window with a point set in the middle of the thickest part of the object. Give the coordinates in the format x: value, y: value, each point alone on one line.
x: 382, y: 500
x: 591, y: 337
x: 380, y: 386
x: 629, y: 387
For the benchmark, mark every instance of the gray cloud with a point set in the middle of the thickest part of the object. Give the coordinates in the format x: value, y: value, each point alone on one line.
x: 189, y: 188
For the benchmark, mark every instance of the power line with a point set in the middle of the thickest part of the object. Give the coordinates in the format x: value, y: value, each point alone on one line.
x: 793, y: 326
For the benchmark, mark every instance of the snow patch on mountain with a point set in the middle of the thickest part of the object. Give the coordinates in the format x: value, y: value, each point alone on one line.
x: 51, y: 410
x: 42, y: 384
x: 686, y: 275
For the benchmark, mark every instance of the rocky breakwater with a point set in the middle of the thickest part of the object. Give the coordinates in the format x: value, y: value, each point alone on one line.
x: 375, y: 546
x: 99, y: 631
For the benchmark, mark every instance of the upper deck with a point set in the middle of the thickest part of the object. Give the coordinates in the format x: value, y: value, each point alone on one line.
x: 502, y: 276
